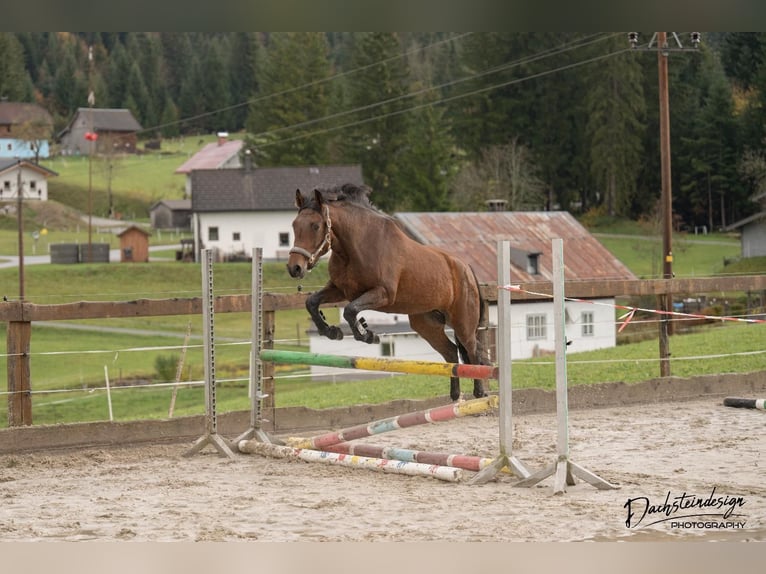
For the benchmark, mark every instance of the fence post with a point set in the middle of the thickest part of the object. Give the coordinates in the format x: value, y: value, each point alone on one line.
x: 19, y: 379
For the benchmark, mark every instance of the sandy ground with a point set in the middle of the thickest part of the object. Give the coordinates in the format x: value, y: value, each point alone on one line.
x: 154, y: 493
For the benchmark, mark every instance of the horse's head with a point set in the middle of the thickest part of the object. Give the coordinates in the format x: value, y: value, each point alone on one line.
x: 312, y: 228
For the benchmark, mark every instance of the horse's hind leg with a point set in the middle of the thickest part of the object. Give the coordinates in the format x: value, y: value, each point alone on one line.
x: 430, y: 326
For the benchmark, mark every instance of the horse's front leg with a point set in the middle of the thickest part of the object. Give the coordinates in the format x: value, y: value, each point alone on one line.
x: 328, y: 294
x: 372, y: 299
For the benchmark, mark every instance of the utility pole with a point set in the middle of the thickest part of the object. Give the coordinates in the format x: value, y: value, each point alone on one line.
x: 20, y: 218
x: 666, y: 300
x: 91, y: 137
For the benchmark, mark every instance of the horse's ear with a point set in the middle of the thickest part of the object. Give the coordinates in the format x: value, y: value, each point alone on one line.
x: 299, y: 201
x: 318, y: 197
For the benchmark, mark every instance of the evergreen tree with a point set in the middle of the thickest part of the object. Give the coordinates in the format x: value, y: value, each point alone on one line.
x: 169, y: 125
x: 214, y: 88
x: 244, y: 64
x: 117, y: 76
x: 742, y: 55
x: 710, y: 151
x: 427, y: 164
x: 14, y: 81
x: 615, y: 108
x: 191, y: 103
x: 293, y: 91
x: 176, y: 61
x: 379, y: 140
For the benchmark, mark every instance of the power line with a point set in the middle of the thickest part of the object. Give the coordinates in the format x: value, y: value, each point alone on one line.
x: 309, y: 84
x: 569, y: 46
x: 489, y: 71
x: 453, y: 98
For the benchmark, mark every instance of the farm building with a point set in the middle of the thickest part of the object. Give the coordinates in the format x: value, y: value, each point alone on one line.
x: 171, y: 214
x: 115, y: 130
x: 34, y: 180
x: 134, y: 245
x: 473, y: 237
x: 234, y: 210
x: 24, y: 130
x: 221, y: 154
x: 753, y: 230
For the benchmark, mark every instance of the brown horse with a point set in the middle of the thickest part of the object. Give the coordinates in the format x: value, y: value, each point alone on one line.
x: 375, y: 265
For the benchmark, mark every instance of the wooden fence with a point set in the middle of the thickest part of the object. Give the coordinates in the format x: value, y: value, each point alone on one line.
x: 19, y: 316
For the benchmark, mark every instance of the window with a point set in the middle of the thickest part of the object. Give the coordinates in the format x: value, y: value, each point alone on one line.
x: 387, y: 348
x: 235, y: 236
x: 284, y: 239
x: 536, y: 327
x: 32, y: 185
x: 586, y: 318
x: 212, y: 234
x: 7, y: 185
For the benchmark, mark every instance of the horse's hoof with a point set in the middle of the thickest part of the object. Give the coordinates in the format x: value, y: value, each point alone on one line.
x: 334, y: 333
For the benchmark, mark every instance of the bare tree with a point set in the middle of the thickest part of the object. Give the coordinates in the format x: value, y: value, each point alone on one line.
x: 505, y: 172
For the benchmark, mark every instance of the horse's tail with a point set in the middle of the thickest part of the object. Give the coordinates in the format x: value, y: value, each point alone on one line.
x: 482, y: 317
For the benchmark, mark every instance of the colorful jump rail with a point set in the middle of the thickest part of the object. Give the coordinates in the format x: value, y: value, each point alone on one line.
x: 382, y: 364
x: 436, y: 414
x: 445, y: 473
x: 464, y: 461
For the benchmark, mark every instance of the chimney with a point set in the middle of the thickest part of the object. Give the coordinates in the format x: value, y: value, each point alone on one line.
x: 222, y: 137
x: 496, y: 204
x: 248, y: 160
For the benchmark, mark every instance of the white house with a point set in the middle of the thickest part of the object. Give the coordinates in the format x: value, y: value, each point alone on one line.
x: 473, y: 237
x: 34, y: 180
x: 234, y: 210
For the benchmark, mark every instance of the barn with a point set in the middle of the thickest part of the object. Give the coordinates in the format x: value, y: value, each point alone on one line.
x: 116, y: 130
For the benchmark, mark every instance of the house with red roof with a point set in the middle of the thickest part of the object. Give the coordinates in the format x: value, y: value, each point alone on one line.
x: 221, y: 154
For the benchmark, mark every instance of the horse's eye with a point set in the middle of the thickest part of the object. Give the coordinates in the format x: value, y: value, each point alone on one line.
x: 315, y: 226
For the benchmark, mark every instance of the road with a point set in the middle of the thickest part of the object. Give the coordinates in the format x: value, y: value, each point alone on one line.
x: 114, y: 256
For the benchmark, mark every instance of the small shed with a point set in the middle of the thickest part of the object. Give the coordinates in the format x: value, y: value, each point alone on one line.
x: 134, y: 245
x: 171, y: 214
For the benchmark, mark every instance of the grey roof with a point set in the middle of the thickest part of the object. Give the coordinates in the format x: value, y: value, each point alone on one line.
x: 266, y: 188
x: 742, y: 222
x: 110, y: 120
x: 473, y: 238
x: 15, y: 113
x: 174, y: 204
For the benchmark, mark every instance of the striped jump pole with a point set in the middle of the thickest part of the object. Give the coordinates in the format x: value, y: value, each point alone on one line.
x: 382, y: 364
x: 741, y: 403
x: 466, y: 462
x: 436, y: 414
x: 445, y: 473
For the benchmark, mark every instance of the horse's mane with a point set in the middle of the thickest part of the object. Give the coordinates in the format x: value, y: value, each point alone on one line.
x: 347, y: 193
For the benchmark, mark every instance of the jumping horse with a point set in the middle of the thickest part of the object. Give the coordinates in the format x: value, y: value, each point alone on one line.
x: 375, y: 265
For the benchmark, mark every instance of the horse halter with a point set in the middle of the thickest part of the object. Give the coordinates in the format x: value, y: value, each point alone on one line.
x: 326, y: 242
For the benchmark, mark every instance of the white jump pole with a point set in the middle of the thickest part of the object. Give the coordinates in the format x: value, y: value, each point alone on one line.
x: 506, y: 458
x: 211, y: 435
x: 255, y: 393
x: 563, y: 468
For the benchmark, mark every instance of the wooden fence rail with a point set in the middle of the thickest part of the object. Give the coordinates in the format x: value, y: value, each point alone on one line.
x: 19, y: 316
